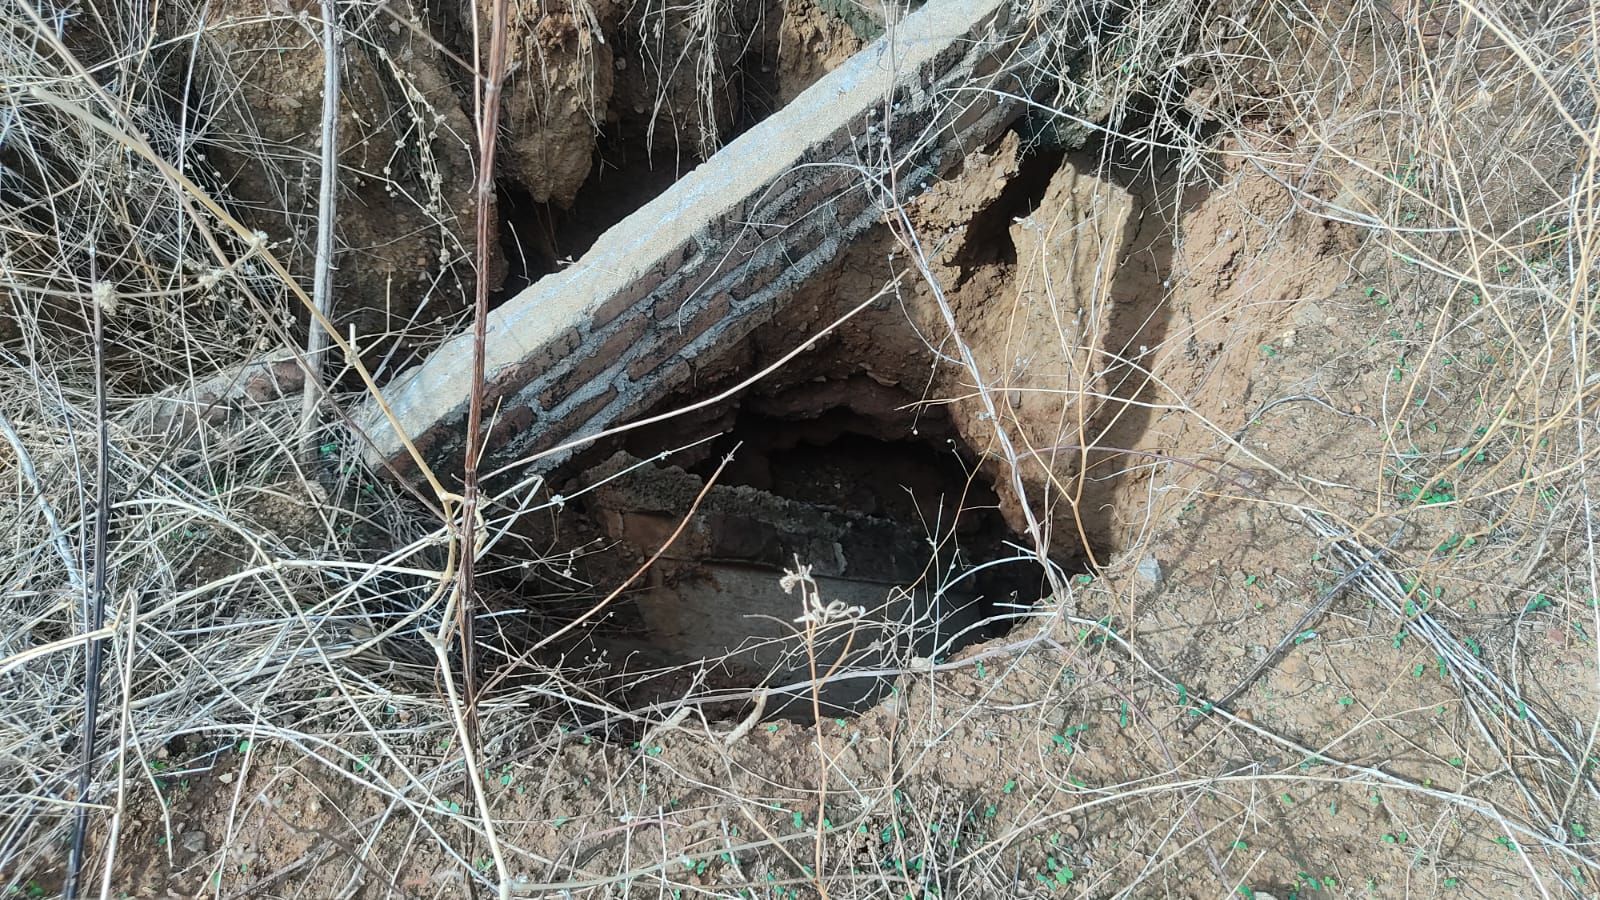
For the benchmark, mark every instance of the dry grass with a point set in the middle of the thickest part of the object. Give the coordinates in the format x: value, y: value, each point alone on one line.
x: 274, y: 614
x: 1477, y: 195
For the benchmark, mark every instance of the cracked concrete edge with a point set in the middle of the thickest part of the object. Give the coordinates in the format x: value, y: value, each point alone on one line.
x: 434, y: 395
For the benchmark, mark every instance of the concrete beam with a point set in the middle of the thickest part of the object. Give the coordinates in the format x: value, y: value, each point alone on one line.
x: 699, y: 267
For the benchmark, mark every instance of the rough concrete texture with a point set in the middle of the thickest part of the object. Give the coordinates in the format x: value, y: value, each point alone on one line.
x: 714, y: 256
x: 642, y: 505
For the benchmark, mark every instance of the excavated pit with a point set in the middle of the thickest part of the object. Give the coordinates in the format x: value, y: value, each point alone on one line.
x: 858, y: 460
x: 826, y: 468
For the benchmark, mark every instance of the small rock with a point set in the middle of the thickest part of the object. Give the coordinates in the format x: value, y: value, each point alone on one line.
x: 1309, y: 314
x: 194, y: 842
x: 225, y: 778
x: 1149, y: 569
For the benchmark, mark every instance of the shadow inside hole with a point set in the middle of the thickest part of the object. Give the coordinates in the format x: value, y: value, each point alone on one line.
x: 906, y: 556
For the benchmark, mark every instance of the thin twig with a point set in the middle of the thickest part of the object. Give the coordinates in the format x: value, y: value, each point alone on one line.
x: 487, y: 99
x: 487, y: 102
x: 58, y: 536
x: 328, y: 197
x: 95, y: 602
x: 1288, y: 640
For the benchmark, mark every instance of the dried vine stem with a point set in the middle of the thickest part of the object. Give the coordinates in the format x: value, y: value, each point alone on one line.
x: 487, y: 113
x: 327, y: 205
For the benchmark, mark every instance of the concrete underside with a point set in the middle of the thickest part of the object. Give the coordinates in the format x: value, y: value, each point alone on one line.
x: 714, y: 597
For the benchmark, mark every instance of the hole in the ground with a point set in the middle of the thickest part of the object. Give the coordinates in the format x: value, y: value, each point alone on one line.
x: 988, y: 239
x: 527, y: 239
x: 886, y: 508
x: 538, y: 238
